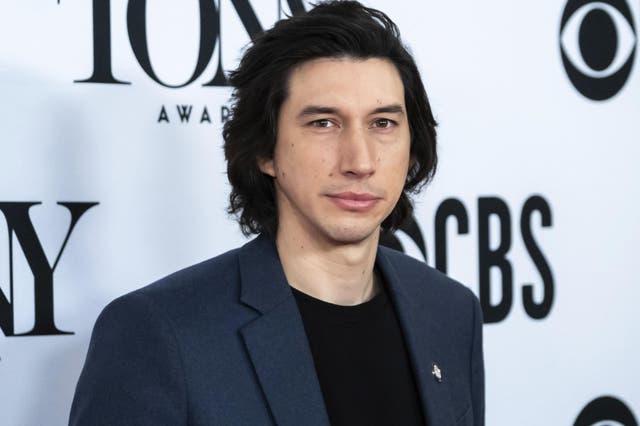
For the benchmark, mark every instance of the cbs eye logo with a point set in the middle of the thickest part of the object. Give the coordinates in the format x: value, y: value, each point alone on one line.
x: 606, y: 411
x: 598, y: 44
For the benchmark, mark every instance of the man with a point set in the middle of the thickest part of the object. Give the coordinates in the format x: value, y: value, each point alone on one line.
x: 311, y: 323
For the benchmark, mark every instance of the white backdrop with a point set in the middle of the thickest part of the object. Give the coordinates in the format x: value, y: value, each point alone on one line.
x: 512, y: 126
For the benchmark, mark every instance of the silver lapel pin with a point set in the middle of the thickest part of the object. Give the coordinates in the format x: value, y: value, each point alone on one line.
x: 437, y: 373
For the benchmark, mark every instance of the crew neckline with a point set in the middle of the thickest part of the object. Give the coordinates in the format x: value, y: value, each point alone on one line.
x: 316, y: 310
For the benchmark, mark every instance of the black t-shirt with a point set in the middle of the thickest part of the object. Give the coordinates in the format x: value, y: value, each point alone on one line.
x: 361, y: 362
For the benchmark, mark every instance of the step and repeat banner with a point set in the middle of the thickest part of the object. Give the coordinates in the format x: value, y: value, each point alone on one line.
x: 112, y: 175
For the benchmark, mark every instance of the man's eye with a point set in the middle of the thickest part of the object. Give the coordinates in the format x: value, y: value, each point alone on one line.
x: 321, y: 123
x: 383, y: 123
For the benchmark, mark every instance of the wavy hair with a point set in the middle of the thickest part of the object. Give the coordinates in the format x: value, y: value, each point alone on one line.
x: 332, y: 29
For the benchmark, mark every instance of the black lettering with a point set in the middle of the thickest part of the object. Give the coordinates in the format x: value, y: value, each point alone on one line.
x: 224, y: 114
x: 489, y: 258
x: 184, y: 111
x: 137, y: 27
x: 102, y: 45
x: 533, y: 309
x: 163, y: 115
x: 296, y: 6
x: 19, y: 223
x: 252, y: 26
x: 205, y: 116
x: 247, y: 17
x: 448, y: 208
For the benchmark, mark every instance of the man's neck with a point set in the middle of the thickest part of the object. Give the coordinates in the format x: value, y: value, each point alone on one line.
x: 336, y: 273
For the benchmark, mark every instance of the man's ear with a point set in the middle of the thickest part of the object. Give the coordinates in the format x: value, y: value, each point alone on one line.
x: 266, y: 166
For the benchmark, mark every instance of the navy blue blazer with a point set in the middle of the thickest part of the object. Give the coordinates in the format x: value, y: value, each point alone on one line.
x: 223, y: 343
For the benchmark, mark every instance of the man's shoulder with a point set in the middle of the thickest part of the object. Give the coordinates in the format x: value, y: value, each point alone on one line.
x: 425, y: 281
x: 190, y: 292
x: 214, y: 273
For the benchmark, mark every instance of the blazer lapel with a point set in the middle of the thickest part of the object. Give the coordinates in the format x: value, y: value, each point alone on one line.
x: 425, y: 340
x: 276, y: 340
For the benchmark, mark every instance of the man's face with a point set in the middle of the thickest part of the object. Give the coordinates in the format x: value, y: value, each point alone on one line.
x: 342, y: 149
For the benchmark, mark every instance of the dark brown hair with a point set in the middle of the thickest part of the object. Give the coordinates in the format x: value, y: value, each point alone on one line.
x: 331, y: 29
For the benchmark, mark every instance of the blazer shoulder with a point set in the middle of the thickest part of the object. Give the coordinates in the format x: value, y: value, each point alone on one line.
x: 209, y: 286
x: 425, y: 279
x: 214, y: 274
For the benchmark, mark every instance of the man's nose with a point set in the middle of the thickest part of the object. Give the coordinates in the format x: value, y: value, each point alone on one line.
x: 357, y: 152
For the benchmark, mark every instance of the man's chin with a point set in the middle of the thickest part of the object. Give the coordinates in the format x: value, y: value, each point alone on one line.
x: 353, y: 235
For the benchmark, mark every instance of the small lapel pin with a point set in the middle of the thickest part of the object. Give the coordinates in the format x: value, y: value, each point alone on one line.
x: 437, y: 373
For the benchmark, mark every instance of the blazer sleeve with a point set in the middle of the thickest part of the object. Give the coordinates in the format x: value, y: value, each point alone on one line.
x: 133, y: 373
x: 477, y: 367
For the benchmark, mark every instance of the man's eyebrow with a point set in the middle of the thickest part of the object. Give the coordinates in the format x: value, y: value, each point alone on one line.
x: 317, y: 109
x: 389, y: 109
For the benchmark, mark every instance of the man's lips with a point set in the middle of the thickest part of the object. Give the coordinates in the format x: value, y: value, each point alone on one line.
x: 353, y: 201
x: 355, y: 196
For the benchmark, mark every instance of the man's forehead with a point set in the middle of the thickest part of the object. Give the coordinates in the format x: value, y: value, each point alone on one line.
x: 332, y: 81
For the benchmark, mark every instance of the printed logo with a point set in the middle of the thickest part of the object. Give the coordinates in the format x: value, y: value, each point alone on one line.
x: 597, y: 44
x: 19, y: 224
x: 210, y: 37
x: 606, y: 411
x: 212, y: 42
x: 494, y: 218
